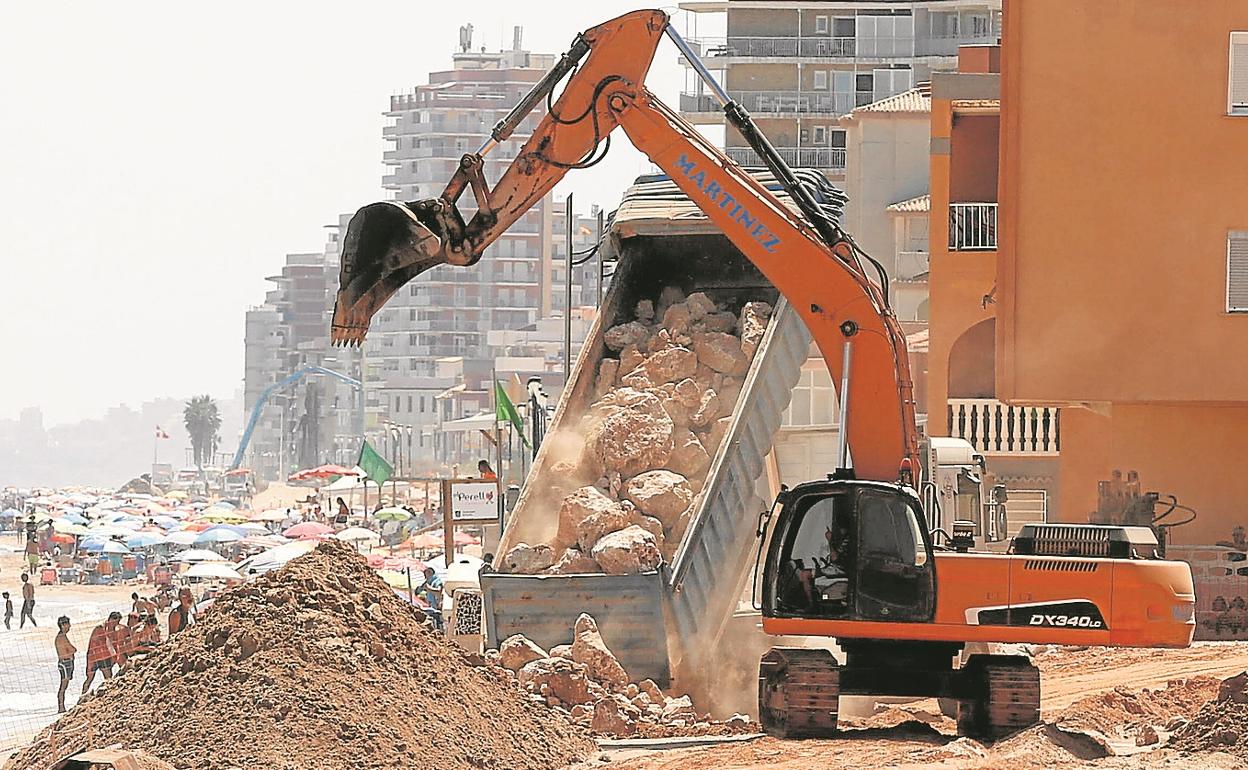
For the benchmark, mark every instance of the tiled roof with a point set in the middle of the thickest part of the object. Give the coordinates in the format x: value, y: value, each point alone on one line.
x: 917, y: 99
x: 912, y: 206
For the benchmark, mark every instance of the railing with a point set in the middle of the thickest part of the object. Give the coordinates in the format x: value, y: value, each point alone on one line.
x: 947, y: 45
x: 793, y: 101
x: 972, y: 226
x: 815, y: 47
x: 996, y: 428
x: 798, y: 157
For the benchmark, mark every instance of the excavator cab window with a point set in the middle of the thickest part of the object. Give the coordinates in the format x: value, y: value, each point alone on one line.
x: 850, y: 552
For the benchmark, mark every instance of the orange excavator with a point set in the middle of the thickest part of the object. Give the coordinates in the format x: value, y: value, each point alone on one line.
x: 854, y: 556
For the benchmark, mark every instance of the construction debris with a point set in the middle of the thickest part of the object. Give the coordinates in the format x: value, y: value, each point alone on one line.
x: 1221, y: 724
x: 318, y: 664
x: 662, y: 409
x: 587, y: 682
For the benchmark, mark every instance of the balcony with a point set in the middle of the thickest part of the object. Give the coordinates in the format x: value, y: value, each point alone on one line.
x: 825, y: 102
x: 994, y: 428
x: 972, y: 226
x: 947, y: 45
x: 797, y: 157
x: 816, y: 47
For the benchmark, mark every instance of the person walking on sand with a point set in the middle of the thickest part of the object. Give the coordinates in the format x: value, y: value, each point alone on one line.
x: 180, y: 616
x: 8, y: 611
x: 28, y: 602
x: 65, y: 652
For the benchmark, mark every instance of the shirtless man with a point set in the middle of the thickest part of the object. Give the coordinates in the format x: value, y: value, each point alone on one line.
x: 65, y: 652
x: 28, y: 602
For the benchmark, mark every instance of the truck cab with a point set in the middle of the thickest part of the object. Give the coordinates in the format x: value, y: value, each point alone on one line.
x: 953, y: 493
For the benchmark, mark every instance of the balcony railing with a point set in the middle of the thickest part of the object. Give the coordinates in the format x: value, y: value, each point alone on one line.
x: 816, y: 47
x: 996, y: 428
x: 827, y: 102
x: 798, y: 157
x: 947, y: 45
x: 972, y: 226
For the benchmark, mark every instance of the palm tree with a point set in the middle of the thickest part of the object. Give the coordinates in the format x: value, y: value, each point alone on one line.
x: 202, y: 421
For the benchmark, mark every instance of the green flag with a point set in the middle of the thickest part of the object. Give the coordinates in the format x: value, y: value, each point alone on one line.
x: 505, y: 410
x: 378, y: 470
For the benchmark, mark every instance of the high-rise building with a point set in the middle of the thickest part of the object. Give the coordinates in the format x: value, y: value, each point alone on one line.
x: 448, y: 310
x: 797, y: 67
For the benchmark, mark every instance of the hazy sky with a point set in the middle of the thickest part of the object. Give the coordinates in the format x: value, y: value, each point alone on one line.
x: 158, y: 160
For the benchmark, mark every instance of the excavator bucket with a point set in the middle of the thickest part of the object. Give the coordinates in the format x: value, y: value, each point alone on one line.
x: 386, y: 246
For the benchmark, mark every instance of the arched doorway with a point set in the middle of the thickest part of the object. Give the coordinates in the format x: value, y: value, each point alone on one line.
x: 972, y: 362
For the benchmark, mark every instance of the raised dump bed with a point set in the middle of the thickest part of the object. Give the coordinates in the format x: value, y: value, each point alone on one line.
x: 662, y: 614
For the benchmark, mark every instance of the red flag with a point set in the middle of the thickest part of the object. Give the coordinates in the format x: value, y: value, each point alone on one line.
x: 160, y: 433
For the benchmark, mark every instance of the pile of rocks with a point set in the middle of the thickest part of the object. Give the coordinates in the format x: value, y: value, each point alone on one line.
x: 585, y: 681
x: 662, y: 407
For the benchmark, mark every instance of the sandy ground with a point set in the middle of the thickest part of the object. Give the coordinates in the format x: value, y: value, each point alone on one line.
x: 1067, y: 675
x: 28, y: 675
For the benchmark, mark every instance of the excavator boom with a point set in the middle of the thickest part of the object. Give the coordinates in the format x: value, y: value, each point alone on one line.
x: 804, y: 255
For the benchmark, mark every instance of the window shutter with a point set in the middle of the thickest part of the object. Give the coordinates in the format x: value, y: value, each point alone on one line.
x: 1237, y: 272
x: 1239, y: 73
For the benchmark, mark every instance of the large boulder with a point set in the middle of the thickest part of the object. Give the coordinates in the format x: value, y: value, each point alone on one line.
x: 661, y: 494
x: 752, y: 325
x: 630, y: 358
x: 645, y: 311
x: 670, y: 365
x: 630, y: 442
x: 525, y: 559
x: 563, y: 678
x: 721, y: 352
x: 687, y: 393
x: 574, y: 561
x: 689, y: 458
x: 679, y: 709
x: 591, y: 529
x: 591, y: 651
x: 699, y: 305
x: 715, y: 322
x: 707, y: 410
x: 518, y: 650
x: 576, y: 508
x: 632, y: 333
x: 630, y: 551
x: 615, y: 716
x: 608, y: 372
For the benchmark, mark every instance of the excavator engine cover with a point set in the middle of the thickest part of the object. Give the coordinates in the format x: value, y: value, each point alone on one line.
x: 387, y: 244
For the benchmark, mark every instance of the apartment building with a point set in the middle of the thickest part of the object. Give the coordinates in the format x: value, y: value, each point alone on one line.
x: 448, y: 310
x: 1122, y: 269
x: 798, y: 66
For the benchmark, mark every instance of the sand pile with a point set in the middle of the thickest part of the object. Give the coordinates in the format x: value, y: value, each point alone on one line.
x: 316, y: 665
x: 1139, y: 716
x: 665, y: 394
x: 1221, y: 724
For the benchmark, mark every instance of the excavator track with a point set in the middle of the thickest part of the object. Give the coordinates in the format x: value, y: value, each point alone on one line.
x: 798, y: 692
x: 1005, y: 698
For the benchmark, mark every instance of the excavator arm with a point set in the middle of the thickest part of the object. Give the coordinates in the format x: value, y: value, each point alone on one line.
x: 806, y: 256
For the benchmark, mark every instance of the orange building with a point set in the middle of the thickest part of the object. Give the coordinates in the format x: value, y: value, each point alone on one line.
x: 1118, y: 286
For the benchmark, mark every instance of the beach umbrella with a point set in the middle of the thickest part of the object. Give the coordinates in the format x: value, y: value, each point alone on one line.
x: 223, y: 504
x: 114, y: 547
x: 185, y: 537
x: 399, y: 579
x: 74, y: 518
x: 10, y: 513
x: 217, y: 535
x: 270, y: 515
x: 177, y: 494
x: 308, y: 528
x: 275, y: 557
x: 213, y: 571
x: 463, y: 538
x: 166, y: 522
x: 392, y: 513
x: 426, y: 540
x: 357, y: 535
x: 70, y: 528
x: 110, y: 530
x: 145, y: 540
x: 265, y: 541
x: 224, y: 517
x: 196, y: 555
x: 254, y: 527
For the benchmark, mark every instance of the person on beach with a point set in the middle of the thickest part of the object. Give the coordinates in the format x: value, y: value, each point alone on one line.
x: 65, y: 652
x: 101, y: 650
x: 8, y: 611
x: 180, y: 616
x: 28, y: 602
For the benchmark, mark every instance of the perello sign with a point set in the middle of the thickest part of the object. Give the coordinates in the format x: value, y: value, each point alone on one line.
x: 474, y: 501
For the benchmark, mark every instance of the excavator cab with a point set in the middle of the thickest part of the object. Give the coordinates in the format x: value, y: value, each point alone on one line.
x: 847, y: 549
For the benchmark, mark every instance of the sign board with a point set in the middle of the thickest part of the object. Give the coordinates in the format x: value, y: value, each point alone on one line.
x: 474, y: 501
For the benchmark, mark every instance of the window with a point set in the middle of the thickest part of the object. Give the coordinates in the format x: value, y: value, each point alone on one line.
x: 398, y: 403
x: 821, y: 25
x: 838, y: 138
x: 1238, y: 79
x: 813, y: 401
x: 1237, y: 272
x: 422, y: 404
x: 843, y: 27
x: 411, y: 314
x: 864, y: 82
x: 409, y: 404
x: 979, y: 26
x: 821, y: 135
x: 821, y: 80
